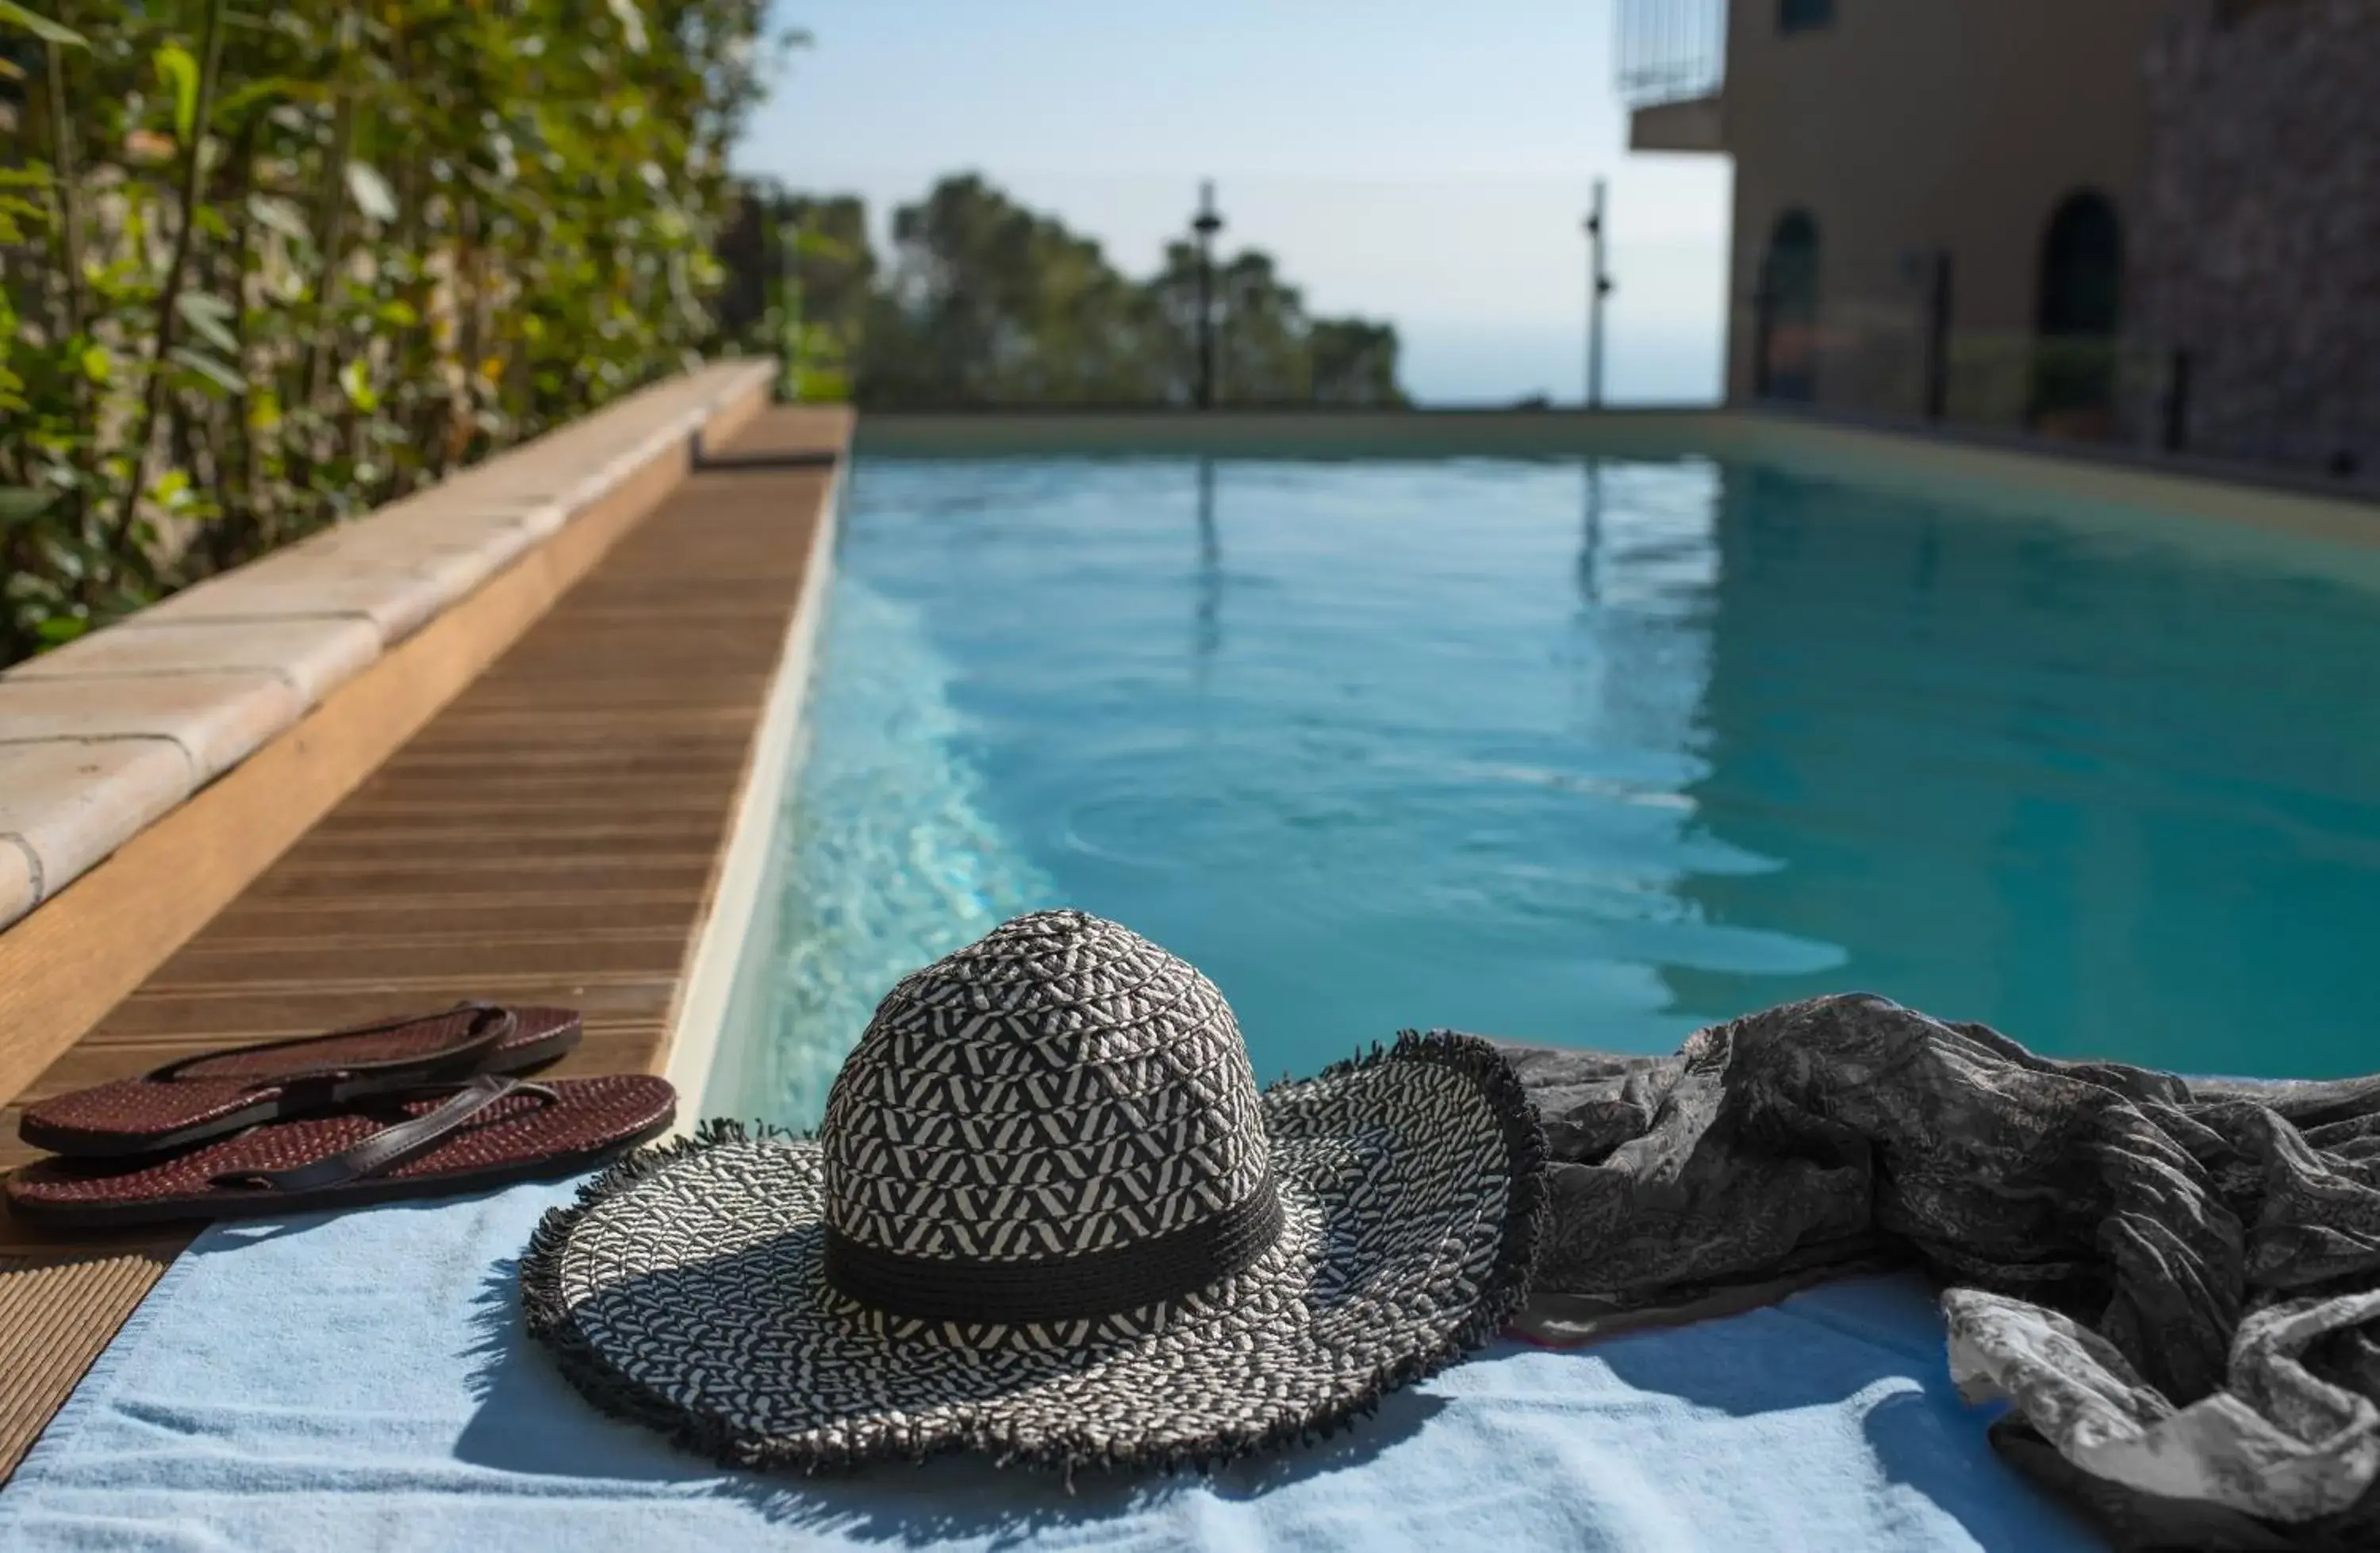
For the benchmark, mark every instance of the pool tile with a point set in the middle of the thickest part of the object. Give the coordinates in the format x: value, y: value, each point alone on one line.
x: 69, y: 803
x: 217, y: 717
x: 397, y: 602
x: 463, y: 549
x: 16, y: 880
x: 315, y: 656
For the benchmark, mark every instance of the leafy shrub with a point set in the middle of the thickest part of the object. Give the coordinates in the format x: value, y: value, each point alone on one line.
x: 798, y: 273
x: 265, y: 266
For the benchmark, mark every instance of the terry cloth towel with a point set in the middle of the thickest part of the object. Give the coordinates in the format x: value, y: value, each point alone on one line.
x: 2175, y: 1282
x: 363, y: 1381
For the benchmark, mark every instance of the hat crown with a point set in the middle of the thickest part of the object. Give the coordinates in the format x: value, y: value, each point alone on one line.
x: 1061, y: 1090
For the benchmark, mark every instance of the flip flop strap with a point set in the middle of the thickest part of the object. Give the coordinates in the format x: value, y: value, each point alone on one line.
x: 491, y: 1026
x: 393, y: 1145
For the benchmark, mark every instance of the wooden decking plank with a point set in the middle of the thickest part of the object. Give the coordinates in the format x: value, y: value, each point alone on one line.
x: 398, y: 918
x: 549, y: 836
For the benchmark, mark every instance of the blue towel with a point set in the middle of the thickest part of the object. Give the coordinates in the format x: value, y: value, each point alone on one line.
x: 361, y: 1381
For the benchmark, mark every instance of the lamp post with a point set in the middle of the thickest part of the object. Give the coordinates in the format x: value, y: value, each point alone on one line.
x: 1206, y: 225
x: 1599, y: 286
x: 1938, y: 334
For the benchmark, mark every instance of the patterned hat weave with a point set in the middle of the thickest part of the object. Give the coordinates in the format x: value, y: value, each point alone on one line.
x: 1062, y: 1092
x: 1049, y: 1215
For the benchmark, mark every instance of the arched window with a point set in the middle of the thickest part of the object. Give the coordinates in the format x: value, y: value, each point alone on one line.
x: 2078, y: 316
x: 1785, y: 343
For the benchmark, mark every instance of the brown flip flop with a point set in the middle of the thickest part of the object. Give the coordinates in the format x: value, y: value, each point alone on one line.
x: 485, y: 1132
x: 204, y: 1097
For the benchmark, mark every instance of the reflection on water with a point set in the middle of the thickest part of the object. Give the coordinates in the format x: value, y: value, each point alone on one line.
x: 2115, y: 799
x: 1590, y: 539
x: 1210, y: 567
x: 1590, y: 755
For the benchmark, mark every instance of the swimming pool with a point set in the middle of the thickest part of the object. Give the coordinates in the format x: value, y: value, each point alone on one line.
x: 1585, y: 752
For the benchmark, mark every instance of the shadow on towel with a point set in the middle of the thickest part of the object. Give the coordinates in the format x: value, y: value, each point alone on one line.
x: 1872, y: 1343
x: 521, y: 1399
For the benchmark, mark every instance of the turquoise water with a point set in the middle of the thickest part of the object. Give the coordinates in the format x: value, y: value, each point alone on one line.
x: 1585, y: 755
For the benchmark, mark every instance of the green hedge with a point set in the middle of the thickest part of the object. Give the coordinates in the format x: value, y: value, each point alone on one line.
x: 268, y: 265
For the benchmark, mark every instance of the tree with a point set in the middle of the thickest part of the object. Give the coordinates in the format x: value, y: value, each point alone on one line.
x: 1354, y: 362
x: 1260, y: 327
x: 800, y: 274
x: 988, y: 303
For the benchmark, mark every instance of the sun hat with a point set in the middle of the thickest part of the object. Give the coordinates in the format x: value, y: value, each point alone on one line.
x: 1048, y: 1215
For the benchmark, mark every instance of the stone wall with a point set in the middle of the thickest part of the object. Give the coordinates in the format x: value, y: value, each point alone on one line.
x: 2258, y: 248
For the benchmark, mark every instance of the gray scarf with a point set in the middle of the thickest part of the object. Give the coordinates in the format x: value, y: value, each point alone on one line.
x: 2176, y: 1283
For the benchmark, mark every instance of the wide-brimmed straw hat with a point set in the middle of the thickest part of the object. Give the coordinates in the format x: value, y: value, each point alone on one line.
x: 1049, y: 1216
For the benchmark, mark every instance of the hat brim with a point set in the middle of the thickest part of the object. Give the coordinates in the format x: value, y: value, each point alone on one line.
x: 685, y: 1291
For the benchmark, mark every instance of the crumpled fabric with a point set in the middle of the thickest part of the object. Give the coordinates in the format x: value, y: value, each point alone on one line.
x: 2174, y: 1283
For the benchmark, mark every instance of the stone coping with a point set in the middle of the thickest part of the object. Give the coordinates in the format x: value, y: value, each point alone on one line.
x: 101, y: 737
x: 2210, y: 507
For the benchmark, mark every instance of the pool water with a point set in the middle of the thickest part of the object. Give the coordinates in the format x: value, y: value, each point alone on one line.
x: 1590, y: 754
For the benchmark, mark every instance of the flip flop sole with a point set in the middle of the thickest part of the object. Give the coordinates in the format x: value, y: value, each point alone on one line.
x: 518, y: 1138
x: 64, y: 1125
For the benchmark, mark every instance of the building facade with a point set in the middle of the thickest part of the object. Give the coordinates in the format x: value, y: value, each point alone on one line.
x: 2259, y: 247
x: 2151, y: 222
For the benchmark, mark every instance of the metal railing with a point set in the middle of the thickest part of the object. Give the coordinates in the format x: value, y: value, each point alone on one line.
x: 1883, y: 342
x: 1671, y: 51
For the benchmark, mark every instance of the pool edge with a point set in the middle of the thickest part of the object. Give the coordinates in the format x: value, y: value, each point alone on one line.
x: 691, y: 1043
x: 1889, y: 456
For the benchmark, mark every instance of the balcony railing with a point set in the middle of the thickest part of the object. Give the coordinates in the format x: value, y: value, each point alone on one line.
x: 1671, y: 51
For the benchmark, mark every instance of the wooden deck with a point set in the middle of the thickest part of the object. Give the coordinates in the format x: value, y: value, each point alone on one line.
x: 552, y: 836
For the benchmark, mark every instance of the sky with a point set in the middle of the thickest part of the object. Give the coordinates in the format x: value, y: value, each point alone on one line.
x: 1426, y: 164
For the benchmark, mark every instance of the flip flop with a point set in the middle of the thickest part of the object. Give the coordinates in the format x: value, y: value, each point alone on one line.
x: 488, y: 1131
x: 205, y: 1097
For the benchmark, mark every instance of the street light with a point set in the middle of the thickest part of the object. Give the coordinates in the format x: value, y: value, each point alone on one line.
x: 1598, y: 288
x: 1206, y: 224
